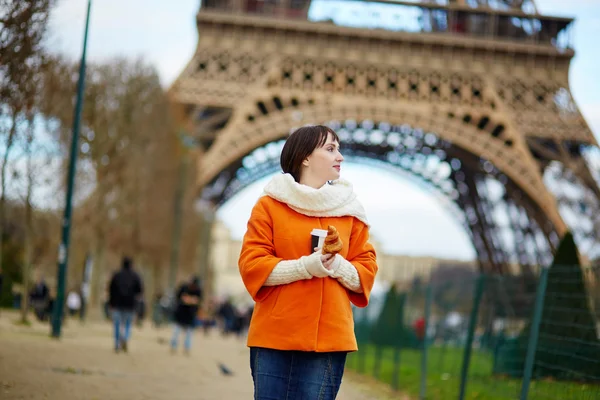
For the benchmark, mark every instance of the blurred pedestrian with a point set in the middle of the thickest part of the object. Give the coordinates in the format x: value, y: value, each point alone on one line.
x: 73, y: 302
x: 188, y: 301
x: 125, y: 288
x: 228, y: 315
x: 39, y: 297
x: 1, y: 280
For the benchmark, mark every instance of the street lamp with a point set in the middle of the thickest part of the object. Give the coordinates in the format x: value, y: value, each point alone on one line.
x: 63, y: 250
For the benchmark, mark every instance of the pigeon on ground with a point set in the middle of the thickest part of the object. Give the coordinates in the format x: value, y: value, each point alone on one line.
x: 225, y: 370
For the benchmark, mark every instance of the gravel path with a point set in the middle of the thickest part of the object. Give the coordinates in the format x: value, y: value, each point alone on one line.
x: 82, y: 366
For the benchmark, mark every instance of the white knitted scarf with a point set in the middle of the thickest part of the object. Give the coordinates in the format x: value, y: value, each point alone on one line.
x: 332, y: 200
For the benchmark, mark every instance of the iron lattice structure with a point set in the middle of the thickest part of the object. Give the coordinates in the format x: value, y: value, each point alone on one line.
x: 473, y: 101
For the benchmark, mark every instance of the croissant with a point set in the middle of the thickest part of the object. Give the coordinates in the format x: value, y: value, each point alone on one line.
x: 333, y: 243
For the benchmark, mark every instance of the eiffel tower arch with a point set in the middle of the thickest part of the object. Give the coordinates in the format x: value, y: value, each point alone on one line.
x: 473, y: 101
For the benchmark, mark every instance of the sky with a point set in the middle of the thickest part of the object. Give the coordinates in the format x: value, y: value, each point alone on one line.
x: 405, y: 219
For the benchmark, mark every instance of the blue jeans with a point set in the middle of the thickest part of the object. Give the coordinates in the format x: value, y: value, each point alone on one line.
x: 296, y: 375
x: 187, y: 341
x: 122, y: 323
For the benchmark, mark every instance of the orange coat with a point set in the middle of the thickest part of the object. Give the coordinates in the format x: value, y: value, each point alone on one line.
x: 307, y: 315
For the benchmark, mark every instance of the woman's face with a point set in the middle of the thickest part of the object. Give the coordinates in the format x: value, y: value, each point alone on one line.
x: 323, y: 164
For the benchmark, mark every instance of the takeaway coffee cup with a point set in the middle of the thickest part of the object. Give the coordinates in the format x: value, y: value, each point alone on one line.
x: 317, y: 239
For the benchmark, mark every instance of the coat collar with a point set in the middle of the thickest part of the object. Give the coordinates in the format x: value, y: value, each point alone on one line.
x: 336, y: 199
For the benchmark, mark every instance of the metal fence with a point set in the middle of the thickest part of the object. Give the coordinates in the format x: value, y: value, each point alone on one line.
x: 487, y: 337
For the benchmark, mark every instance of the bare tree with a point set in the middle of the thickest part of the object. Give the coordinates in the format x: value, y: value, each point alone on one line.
x: 127, y: 148
x: 22, y: 28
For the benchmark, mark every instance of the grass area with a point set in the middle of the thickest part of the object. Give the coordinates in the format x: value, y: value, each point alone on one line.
x: 443, y: 376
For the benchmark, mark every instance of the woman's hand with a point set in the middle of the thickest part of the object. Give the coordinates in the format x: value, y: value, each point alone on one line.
x: 327, y: 259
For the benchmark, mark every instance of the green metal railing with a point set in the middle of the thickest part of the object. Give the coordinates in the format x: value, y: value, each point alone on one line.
x: 488, y: 337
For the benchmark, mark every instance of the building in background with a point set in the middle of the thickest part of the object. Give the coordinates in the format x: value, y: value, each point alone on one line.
x: 225, y: 252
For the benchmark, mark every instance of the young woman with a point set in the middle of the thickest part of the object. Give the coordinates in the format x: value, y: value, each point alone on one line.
x: 302, y: 326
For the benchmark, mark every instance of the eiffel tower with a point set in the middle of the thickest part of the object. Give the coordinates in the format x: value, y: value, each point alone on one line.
x: 470, y: 97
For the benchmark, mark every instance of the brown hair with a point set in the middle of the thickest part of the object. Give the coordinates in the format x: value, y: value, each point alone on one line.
x: 300, y: 144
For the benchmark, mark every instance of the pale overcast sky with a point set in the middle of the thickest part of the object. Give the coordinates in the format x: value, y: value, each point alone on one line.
x: 404, y: 218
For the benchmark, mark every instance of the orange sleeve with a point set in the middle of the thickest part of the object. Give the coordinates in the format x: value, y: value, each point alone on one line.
x: 257, y: 258
x: 362, y: 255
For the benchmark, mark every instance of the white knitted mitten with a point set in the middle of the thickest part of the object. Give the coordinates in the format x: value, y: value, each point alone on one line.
x: 346, y: 274
x: 306, y: 267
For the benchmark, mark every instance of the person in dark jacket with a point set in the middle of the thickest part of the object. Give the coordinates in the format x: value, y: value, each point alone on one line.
x: 1, y: 280
x: 188, y: 300
x: 124, y: 290
x: 228, y: 314
x: 39, y: 298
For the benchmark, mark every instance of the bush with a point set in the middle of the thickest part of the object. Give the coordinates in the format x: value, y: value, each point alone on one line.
x: 568, y: 347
